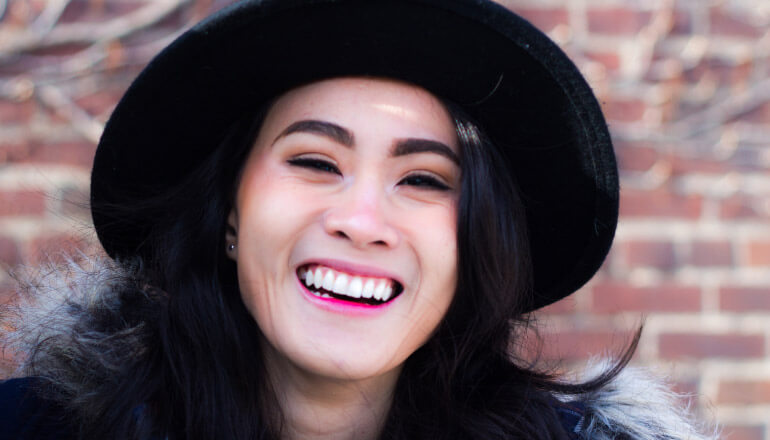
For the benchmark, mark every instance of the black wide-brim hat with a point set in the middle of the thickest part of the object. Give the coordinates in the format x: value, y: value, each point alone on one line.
x: 506, y: 74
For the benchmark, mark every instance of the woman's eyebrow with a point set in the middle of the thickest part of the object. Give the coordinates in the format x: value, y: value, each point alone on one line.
x: 327, y: 129
x: 403, y: 147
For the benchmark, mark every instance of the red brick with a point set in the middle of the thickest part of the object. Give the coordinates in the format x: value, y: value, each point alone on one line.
x: 54, y: 248
x: 613, y: 297
x: 688, y: 387
x: 564, y: 306
x: 658, y: 254
x: 742, y: 207
x: 16, y: 112
x: 624, y: 109
x: 724, y: 71
x: 744, y: 392
x: 711, y: 253
x: 759, y: 114
x: 99, y: 103
x: 669, y: 108
x: 74, y: 203
x: 759, y: 253
x: 59, y: 50
x: 682, y: 24
x: 744, y: 299
x: 95, y: 11
x: 175, y: 20
x: 732, y: 432
x: 76, y: 9
x: 687, y: 392
x: 575, y: 344
x: 13, y: 203
x: 636, y: 156
x: 616, y: 20
x: 659, y: 203
x: 687, y: 165
x: 70, y: 153
x: 704, y: 345
x: 724, y: 23
x: 748, y: 158
x: 543, y: 18
x: 10, y: 152
x: 610, y: 60
x: 9, y: 252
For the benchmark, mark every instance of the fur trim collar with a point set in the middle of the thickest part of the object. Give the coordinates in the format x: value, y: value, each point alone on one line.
x: 71, y: 326
x: 637, y: 405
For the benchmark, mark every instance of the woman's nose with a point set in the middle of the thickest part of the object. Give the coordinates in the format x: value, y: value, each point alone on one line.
x: 358, y: 215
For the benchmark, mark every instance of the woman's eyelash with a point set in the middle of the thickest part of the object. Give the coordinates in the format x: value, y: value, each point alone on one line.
x: 424, y: 181
x: 316, y: 164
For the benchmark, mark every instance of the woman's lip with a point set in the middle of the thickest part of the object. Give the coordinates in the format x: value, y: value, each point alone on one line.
x: 341, y: 306
x: 354, y: 269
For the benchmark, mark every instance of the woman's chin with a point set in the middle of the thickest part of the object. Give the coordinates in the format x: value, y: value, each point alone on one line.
x: 345, y: 361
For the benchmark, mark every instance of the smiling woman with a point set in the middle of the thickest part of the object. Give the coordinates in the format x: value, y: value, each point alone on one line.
x: 347, y: 208
x: 338, y: 244
x: 336, y: 214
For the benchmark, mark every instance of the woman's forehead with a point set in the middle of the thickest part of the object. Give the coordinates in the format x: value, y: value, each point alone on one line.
x: 369, y: 102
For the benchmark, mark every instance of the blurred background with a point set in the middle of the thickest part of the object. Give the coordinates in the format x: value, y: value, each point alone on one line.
x: 685, y: 85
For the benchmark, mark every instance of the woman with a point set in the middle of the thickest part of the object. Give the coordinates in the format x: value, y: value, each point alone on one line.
x: 329, y: 219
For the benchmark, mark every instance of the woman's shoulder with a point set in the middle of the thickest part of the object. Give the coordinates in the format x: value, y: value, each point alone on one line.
x: 635, y: 404
x: 85, y: 325
x: 24, y: 414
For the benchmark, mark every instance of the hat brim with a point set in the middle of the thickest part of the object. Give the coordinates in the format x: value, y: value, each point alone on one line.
x: 523, y: 90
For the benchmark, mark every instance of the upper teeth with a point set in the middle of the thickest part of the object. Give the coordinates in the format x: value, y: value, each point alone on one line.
x: 348, y: 285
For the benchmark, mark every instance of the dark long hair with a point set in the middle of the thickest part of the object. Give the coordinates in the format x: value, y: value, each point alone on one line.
x: 201, y: 375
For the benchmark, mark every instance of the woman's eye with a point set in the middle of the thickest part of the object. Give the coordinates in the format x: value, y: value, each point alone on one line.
x: 424, y: 181
x: 315, y: 164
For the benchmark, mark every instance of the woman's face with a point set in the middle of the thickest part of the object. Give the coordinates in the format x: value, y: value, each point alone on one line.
x: 345, y: 224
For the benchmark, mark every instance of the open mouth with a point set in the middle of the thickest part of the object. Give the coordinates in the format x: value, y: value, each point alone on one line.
x: 324, y: 282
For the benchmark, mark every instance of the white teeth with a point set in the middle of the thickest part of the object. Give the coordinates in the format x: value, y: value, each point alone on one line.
x: 378, y: 291
x: 387, y: 293
x: 318, y: 278
x: 340, y: 284
x: 344, y: 284
x: 356, y: 285
x: 328, y: 282
x: 368, y: 289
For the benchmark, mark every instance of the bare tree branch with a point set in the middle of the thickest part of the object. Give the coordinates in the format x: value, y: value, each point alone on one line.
x: 81, y: 121
x: 49, y: 17
x: 92, y: 33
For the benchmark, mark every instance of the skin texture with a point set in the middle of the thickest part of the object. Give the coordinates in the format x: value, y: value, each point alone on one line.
x: 356, y: 203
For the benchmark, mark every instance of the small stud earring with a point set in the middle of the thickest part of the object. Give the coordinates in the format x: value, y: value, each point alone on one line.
x: 231, y: 247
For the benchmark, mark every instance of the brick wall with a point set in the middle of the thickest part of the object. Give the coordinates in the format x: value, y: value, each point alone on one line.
x: 686, y: 88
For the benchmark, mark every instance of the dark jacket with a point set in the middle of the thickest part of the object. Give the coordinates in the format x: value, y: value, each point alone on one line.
x: 25, y: 416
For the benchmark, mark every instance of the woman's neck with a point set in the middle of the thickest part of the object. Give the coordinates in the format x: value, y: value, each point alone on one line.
x: 318, y: 407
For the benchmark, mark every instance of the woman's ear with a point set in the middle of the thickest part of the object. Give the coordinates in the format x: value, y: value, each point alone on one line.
x: 231, y: 236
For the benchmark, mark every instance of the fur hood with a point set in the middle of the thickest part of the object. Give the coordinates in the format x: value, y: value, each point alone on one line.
x: 70, y: 326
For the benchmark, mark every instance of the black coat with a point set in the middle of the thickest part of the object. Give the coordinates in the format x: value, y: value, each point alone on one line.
x: 26, y: 416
